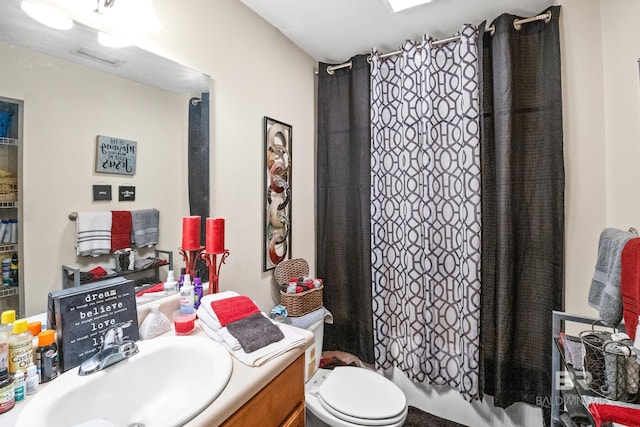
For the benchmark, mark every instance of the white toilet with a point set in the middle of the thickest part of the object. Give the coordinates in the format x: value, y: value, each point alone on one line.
x: 349, y: 396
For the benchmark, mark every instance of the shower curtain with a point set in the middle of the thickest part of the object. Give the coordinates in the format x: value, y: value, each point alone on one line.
x: 342, y: 206
x: 522, y: 207
x: 425, y: 211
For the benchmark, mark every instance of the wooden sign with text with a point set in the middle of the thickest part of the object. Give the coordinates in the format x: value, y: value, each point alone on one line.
x: 115, y: 155
x: 83, y: 314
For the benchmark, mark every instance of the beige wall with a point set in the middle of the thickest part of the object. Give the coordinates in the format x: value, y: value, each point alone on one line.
x: 256, y: 72
x: 600, y: 50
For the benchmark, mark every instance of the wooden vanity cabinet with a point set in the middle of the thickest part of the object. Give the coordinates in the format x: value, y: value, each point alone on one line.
x: 279, y: 403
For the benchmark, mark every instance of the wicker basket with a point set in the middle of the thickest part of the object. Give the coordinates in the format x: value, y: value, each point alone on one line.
x: 296, y: 304
x: 8, y: 189
x: 300, y: 304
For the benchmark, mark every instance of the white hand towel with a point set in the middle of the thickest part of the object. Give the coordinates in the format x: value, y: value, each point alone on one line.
x: 259, y: 357
x: 220, y: 334
x: 93, y: 233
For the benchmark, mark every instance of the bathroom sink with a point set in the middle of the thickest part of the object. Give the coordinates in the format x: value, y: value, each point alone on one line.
x: 170, y: 381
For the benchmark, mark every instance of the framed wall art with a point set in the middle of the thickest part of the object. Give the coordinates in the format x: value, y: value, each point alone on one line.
x: 277, y: 192
x: 116, y: 155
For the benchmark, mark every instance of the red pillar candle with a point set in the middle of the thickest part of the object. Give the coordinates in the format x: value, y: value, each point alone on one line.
x: 215, y: 236
x: 191, y: 233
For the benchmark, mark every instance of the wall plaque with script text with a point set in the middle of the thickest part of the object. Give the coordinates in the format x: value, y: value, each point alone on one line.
x: 115, y: 155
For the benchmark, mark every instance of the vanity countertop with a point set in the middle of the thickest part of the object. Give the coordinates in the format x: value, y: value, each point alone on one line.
x: 244, y: 383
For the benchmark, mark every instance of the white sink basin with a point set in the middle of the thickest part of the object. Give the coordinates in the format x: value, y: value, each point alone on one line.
x: 170, y: 381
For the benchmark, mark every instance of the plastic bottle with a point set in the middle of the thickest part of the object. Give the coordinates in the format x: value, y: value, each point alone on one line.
x: 187, y: 296
x: 171, y: 285
x: 35, y: 328
x: 197, y: 290
x: 7, y: 392
x: 6, y: 329
x: 154, y: 324
x: 13, y: 270
x: 32, y: 380
x: 20, y: 347
x: 181, y: 280
x: 19, y: 385
x: 47, y: 356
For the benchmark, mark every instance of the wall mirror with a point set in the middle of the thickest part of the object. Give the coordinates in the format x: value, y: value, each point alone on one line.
x: 79, y: 46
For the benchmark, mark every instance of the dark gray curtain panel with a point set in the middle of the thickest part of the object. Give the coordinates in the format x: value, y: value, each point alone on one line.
x: 522, y: 207
x: 343, y: 247
x: 198, y: 158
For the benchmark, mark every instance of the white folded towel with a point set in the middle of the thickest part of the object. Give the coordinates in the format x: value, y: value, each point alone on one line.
x: 93, y: 233
x: 210, y: 324
x: 221, y: 334
x: 261, y: 356
x: 205, y: 306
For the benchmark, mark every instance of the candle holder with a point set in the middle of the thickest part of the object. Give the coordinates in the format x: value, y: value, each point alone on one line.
x: 190, y: 257
x: 214, y: 268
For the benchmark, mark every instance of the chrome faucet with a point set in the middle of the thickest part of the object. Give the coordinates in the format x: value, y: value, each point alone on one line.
x: 114, y: 349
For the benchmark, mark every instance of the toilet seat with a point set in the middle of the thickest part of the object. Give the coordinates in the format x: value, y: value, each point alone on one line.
x: 351, y: 396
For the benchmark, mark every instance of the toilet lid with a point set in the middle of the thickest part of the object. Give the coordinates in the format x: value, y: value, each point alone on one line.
x: 358, y: 394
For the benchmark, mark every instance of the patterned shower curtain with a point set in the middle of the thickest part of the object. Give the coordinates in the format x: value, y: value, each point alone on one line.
x: 425, y: 211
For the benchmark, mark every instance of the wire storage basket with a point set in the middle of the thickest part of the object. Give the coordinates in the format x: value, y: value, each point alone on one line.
x: 611, y: 368
x: 8, y: 189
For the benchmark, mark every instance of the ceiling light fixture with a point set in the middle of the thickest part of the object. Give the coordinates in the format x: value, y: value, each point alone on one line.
x: 398, y: 5
x: 46, y: 15
x: 133, y: 16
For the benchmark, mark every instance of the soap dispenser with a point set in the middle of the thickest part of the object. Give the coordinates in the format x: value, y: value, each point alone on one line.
x: 154, y: 324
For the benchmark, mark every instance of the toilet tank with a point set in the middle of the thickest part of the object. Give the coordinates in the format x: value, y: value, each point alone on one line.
x: 313, y: 354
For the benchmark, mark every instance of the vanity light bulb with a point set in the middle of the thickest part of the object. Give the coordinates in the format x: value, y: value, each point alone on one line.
x: 46, y: 15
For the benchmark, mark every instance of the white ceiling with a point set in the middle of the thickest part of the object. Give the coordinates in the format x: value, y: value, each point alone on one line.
x: 332, y: 31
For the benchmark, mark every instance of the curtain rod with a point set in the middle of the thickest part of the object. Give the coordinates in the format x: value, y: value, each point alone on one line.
x: 517, y: 24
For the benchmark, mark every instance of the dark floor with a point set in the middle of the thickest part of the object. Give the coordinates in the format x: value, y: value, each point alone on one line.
x: 419, y: 418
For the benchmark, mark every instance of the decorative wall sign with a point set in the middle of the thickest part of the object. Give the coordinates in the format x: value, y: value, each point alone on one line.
x: 82, y: 315
x: 115, y: 155
x: 277, y: 195
x: 101, y: 192
x: 126, y: 193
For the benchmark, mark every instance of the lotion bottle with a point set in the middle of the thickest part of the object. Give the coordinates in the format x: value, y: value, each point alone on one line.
x: 187, y: 296
x: 171, y: 285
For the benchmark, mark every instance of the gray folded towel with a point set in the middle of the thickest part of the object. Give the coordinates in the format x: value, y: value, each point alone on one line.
x: 604, y: 293
x: 145, y: 227
x: 254, y: 332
